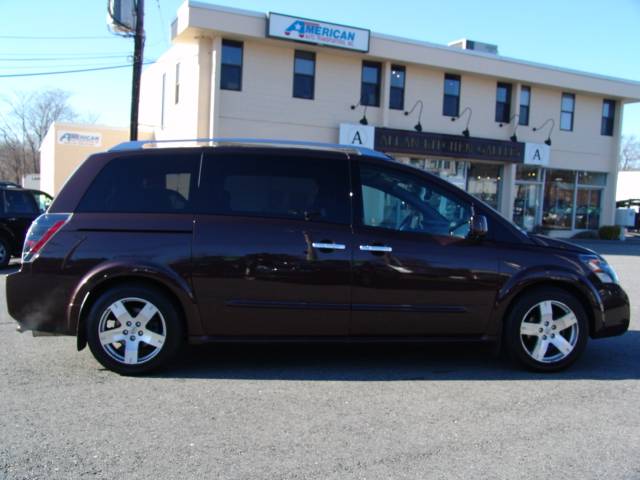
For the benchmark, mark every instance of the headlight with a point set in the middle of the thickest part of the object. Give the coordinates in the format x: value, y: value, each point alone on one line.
x: 601, y: 268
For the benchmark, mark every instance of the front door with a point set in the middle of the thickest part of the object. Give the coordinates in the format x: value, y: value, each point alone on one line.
x: 272, y: 244
x: 416, y: 272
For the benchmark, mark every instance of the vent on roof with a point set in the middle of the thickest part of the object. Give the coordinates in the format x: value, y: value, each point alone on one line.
x: 466, y: 44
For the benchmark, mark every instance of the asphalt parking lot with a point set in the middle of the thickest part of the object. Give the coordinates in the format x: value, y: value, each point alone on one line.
x: 323, y: 412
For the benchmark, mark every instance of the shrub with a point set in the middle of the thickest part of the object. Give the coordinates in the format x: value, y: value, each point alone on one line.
x: 609, y: 232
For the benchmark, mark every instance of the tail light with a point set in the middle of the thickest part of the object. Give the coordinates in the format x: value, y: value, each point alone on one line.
x: 40, y: 232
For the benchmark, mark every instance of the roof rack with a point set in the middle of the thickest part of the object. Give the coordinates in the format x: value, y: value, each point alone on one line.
x: 245, y: 142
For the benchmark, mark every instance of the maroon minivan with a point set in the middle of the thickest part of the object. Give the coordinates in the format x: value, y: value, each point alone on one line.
x: 152, y: 244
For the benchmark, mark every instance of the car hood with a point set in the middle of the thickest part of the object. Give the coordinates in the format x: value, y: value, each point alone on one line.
x: 549, y: 242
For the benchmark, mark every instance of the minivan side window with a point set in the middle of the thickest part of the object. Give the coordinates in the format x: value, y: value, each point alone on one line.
x: 398, y: 201
x: 278, y: 186
x: 18, y: 202
x: 144, y: 184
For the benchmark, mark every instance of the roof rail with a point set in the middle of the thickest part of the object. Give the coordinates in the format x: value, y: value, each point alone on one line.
x: 246, y: 142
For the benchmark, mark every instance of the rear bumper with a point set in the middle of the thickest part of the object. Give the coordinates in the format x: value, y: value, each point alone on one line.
x: 615, y: 316
x: 38, y: 302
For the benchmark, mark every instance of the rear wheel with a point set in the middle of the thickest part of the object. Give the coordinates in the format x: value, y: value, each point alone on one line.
x: 133, y: 329
x: 547, y: 330
x: 5, y: 253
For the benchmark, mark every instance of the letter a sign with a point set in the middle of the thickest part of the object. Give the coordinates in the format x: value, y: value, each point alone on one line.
x: 537, y: 154
x: 357, y: 135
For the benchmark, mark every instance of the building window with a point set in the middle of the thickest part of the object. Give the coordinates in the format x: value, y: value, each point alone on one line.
x: 503, y: 102
x: 484, y: 181
x: 370, y: 92
x: 589, y: 199
x: 608, y: 113
x: 396, y: 93
x: 176, y: 94
x: 451, y: 101
x: 304, y: 73
x: 559, y: 192
x: 567, y: 108
x: 526, y: 204
x: 164, y: 82
x: 231, y: 66
x: 525, y: 103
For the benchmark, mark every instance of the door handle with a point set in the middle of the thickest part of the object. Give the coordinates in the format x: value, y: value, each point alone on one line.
x: 329, y: 246
x: 376, y: 248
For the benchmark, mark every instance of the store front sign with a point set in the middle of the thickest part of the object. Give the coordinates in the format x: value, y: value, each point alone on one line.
x: 456, y: 146
x: 537, y: 154
x: 357, y: 135
x: 80, y: 138
x: 318, y: 33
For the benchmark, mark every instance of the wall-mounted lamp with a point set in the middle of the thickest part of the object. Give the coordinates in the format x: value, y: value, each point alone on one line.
x: 363, y: 120
x: 465, y: 132
x: 514, y: 136
x: 553, y: 124
x: 417, y: 126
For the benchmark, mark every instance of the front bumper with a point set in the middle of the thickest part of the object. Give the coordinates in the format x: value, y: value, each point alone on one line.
x: 615, y: 314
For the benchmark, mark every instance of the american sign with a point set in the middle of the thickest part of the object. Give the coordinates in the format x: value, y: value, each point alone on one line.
x: 318, y: 33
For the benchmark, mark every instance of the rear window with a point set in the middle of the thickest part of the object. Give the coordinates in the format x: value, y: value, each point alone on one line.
x: 18, y: 202
x: 144, y: 184
x: 280, y: 186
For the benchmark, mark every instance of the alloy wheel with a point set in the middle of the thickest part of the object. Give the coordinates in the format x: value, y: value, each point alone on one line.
x: 549, y: 331
x: 132, y: 330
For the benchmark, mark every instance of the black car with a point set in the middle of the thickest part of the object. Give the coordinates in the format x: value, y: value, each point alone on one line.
x: 18, y: 208
x: 226, y: 241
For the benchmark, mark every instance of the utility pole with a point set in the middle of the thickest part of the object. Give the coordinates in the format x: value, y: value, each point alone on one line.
x: 138, y: 54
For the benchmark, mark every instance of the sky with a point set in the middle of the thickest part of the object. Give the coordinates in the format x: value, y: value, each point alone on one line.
x: 590, y: 35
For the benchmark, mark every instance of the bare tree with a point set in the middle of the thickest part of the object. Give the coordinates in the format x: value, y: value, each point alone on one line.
x: 630, y: 153
x: 23, y: 125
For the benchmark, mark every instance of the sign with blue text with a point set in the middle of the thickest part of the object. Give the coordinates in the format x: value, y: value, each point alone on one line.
x: 318, y: 33
x: 537, y: 154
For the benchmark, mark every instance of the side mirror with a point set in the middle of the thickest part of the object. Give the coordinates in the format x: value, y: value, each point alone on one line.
x: 479, y: 226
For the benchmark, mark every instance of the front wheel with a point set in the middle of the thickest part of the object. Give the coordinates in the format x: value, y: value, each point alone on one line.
x: 547, y: 330
x: 133, y: 329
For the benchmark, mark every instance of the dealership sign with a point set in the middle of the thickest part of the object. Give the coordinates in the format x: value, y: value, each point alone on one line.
x: 80, y: 138
x: 318, y: 33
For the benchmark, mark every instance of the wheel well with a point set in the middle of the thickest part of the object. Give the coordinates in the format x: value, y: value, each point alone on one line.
x: 96, y: 292
x: 567, y: 287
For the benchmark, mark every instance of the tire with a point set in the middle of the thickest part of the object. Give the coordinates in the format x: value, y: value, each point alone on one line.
x: 547, y: 330
x: 5, y: 253
x: 154, y: 330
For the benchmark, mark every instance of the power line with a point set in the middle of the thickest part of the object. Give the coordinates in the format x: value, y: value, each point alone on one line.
x: 67, y: 71
x: 25, y: 37
x: 104, y: 63
x: 86, y: 57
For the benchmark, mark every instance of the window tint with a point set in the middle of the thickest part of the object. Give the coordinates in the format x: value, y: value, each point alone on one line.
x: 608, y: 114
x: 451, y: 101
x: 304, y: 71
x: 145, y: 184
x: 370, y: 92
x: 19, y: 202
x: 277, y: 186
x: 525, y: 104
x: 398, y: 201
x: 231, y: 65
x: 396, y: 92
x: 503, y: 102
x: 567, y: 107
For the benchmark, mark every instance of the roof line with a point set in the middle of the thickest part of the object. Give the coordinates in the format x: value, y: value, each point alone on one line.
x: 460, y: 51
x: 502, y: 58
